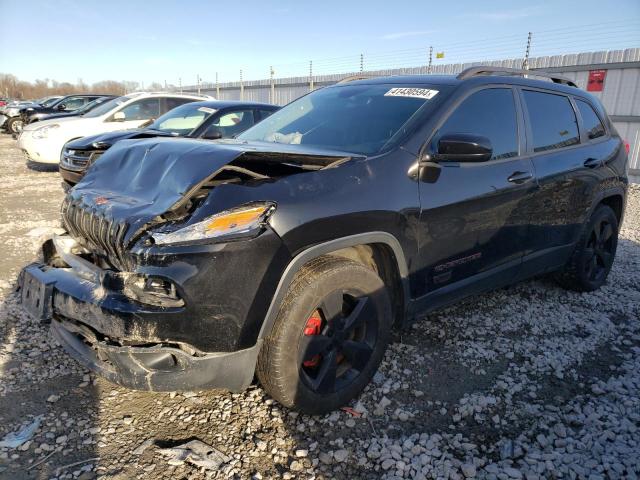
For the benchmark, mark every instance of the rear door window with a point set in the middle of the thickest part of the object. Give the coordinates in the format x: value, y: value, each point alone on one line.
x: 590, y: 120
x: 553, y: 121
x: 490, y: 113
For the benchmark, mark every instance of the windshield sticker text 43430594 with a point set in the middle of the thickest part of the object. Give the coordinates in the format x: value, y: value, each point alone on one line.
x: 425, y: 93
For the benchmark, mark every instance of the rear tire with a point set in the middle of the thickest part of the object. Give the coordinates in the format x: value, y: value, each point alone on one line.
x: 591, y: 261
x: 329, y: 337
x: 14, y: 125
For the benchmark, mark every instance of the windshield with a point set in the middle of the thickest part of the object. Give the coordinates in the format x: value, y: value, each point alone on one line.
x: 183, y: 119
x: 355, y: 118
x: 48, y: 101
x: 107, y: 107
x: 91, y: 105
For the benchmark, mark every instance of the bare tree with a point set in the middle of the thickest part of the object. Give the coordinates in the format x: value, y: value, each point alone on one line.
x: 12, y: 87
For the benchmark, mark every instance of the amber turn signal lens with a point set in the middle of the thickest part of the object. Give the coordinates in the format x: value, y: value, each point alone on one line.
x: 236, y: 220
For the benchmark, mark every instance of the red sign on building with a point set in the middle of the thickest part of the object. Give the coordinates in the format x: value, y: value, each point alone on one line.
x: 596, y: 80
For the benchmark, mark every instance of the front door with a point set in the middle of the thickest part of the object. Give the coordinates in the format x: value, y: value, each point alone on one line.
x: 474, y: 216
x: 137, y: 113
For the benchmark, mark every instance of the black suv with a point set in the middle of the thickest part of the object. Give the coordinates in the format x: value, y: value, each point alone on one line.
x: 211, y: 119
x: 290, y: 251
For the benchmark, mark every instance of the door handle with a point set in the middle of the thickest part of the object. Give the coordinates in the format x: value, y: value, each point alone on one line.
x: 520, y: 177
x: 592, y: 162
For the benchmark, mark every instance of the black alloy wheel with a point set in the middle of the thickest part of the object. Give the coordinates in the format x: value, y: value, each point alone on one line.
x: 590, y: 263
x: 337, y: 341
x: 599, y: 251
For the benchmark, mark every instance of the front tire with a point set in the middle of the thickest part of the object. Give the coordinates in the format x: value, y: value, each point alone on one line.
x: 329, y: 338
x: 14, y: 125
x: 592, y: 259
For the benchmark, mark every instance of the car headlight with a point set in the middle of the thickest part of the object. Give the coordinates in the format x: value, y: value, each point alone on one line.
x: 240, y: 222
x: 43, y: 132
x: 11, y: 112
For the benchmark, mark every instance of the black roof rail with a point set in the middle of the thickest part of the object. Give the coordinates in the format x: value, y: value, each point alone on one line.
x: 484, y: 70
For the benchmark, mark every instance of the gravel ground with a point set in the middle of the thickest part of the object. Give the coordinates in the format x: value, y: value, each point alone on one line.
x: 526, y: 382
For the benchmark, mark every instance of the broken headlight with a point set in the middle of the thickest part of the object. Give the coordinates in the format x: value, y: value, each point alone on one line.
x: 152, y: 290
x: 239, y: 222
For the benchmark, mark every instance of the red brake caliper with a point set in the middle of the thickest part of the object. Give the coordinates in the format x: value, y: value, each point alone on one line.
x: 312, y: 327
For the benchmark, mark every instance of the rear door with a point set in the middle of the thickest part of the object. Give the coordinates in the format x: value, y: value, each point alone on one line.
x: 568, y: 166
x: 474, y: 216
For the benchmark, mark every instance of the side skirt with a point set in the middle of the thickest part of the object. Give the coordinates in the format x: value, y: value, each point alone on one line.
x: 536, y: 263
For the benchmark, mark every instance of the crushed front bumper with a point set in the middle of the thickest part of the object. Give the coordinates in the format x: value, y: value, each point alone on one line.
x: 156, y: 367
x: 142, y: 366
x: 136, y: 345
x: 70, y: 177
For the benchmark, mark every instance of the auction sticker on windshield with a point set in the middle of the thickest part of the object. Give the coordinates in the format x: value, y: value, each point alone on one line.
x: 207, y: 110
x: 412, y: 92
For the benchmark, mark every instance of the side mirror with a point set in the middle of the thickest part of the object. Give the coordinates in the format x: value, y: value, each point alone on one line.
x: 463, y: 147
x: 212, y: 134
x: 119, y: 117
x: 62, y: 106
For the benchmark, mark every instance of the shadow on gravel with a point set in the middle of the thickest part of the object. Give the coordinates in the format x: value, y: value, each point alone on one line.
x: 42, y: 167
x: 38, y: 379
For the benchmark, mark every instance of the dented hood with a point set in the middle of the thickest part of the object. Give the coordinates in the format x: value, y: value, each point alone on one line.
x: 107, y: 139
x: 135, y: 181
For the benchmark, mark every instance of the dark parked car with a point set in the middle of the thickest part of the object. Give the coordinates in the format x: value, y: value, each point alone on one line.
x: 209, y: 119
x: 73, y: 113
x: 10, y: 113
x: 291, y: 251
x: 66, y: 104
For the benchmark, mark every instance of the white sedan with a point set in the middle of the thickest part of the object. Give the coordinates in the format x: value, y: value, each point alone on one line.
x: 42, y: 142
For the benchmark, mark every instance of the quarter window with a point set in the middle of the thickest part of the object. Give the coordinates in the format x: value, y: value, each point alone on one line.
x: 553, y: 121
x: 490, y: 113
x: 590, y: 120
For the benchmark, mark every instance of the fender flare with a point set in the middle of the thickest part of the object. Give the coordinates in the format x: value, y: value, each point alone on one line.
x: 603, y: 194
x: 316, y: 251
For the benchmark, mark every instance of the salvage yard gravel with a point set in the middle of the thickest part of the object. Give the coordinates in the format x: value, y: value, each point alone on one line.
x: 531, y: 381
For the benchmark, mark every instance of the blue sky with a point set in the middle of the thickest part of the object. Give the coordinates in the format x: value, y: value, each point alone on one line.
x: 167, y: 40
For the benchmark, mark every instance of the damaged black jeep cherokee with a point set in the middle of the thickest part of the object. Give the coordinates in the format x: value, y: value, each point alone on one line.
x: 289, y: 252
